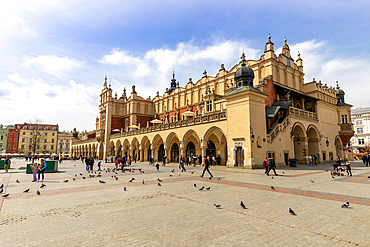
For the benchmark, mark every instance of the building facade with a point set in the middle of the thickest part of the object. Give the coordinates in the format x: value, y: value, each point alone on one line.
x: 360, y: 142
x: 37, y: 138
x: 4, y: 130
x: 257, y: 109
x: 64, y: 139
x: 12, y: 141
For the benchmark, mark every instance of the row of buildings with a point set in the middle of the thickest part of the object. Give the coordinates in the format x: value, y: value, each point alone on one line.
x: 257, y: 109
x: 28, y: 138
x: 360, y: 142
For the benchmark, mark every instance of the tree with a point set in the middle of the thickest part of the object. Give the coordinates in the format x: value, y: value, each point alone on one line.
x: 34, y: 127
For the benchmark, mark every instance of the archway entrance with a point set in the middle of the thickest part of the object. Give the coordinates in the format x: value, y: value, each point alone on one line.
x: 338, y: 148
x: 299, y: 139
x: 313, y: 143
x: 190, y: 149
x: 161, y: 152
x: 175, y: 153
x: 211, y: 148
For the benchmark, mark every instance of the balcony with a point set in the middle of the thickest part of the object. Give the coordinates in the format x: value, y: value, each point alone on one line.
x: 302, y: 113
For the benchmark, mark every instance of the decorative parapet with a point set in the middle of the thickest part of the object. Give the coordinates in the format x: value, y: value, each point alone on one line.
x: 302, y: 113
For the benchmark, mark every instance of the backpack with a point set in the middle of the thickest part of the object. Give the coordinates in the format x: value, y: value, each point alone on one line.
x: 264, y: 163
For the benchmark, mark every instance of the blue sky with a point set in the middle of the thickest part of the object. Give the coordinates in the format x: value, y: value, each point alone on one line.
x: 55, y: 54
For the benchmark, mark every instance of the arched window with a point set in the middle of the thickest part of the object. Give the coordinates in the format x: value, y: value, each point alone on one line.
x: 190, y: 149
x: 175, y: 153
x: 211, y: 148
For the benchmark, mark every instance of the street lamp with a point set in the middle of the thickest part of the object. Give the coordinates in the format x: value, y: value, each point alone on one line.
x: 298, y: 139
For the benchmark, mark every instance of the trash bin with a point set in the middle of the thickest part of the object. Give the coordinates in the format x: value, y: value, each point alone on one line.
x: 2, y: 164
x: 51, y: 166
x: 293, y: 162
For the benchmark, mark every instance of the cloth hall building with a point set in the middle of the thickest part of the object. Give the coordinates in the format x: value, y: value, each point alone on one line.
x: 257, y: 109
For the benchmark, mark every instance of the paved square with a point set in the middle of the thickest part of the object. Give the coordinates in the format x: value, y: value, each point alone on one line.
x: 85, y: 212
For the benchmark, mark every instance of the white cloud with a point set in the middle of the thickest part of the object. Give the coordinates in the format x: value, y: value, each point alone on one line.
x: 52, y: 64
x: 71, y: 105
x: 152, y: 71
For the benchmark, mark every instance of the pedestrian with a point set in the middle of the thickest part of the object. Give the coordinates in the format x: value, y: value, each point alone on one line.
x: 310, y: 160
x: 87, y: 162
x: 99, y: 165
x: 129, y: 160
x: 194, y: 160
x: 200, y: 160
x: 206, y: 167
x: 91, y: 163
x: 272, y: 166
x: 41, y: 170
x: 187, y: 160
x: 35, y: 169
x: 117, y: 163
x: 157, y: 166
x: 265, y: 164
x: 135, y: 157
x: 7, y: 164
x: 164, y: 160
x: 348, y: 166
x: 367, y: 159
x: 182, y: 164
x: 314, y: 159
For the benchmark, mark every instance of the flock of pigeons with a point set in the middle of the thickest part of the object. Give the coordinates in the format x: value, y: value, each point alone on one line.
x: 132, y: 170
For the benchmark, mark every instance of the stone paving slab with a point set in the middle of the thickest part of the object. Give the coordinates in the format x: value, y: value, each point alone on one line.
x: 87, y: 213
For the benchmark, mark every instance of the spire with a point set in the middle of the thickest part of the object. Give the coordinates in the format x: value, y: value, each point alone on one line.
x: 173, y: 74
x: 173, y: 82
x: 269, y: 37
x: 337, y: 85
x: 285, y: 40
x: 299, y: 54
x: 105, y: 82
x: 243, y: 60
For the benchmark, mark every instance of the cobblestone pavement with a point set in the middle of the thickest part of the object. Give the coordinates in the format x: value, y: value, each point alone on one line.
x: 85, y: 212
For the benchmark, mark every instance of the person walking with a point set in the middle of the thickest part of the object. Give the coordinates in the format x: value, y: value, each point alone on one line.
x: 314, y: 159
x: 206, y: 167
x: 99, y: 166
x: 35, y: 169
x: 135, y: 157
x: 310, y: 160
x: 182, y: 164
x: 265, y: 164
x: 41, y: 170
x: 91, y: 164
x: 194, y: 160
x: 272, y: 166
x: 200, y: 159
x: 87, y: 162
x: 164, y: 160
x: 187, y: 160
x: 348, y: 166
x: 7, y: 164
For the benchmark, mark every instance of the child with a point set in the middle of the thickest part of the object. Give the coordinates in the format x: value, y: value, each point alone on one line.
x: 35, y: 169
x: 157, y: 166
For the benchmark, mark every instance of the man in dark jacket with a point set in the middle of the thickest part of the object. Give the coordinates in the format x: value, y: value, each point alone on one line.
x: 272, y: 166
x: 206, y: 167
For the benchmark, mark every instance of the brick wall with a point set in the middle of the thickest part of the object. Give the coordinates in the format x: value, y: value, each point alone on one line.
x: 269, y: 89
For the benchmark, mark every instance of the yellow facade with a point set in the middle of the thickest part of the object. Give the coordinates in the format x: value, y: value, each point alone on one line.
x: 257, y: 109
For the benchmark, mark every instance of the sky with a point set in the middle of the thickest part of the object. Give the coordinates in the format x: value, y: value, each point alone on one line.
x: 54, y: 55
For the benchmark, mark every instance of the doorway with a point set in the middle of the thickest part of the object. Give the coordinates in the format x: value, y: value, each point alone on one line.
x: 239, y: 157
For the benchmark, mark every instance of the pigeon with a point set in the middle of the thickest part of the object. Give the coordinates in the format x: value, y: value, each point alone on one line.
x: 75, y: 175
x: 202, y: 188
x: 159, y: 184
x: 27, y: 190
x: 170, y: 175
x: 42, y: 185
x: 1, y: 190
x: 173, y: 170
x: 65, y: 181
x: 242, y: 205
x: 124, y: 188
x: 195, y: 185
x: 326, y: 170
x: 345, y: 205
x: 98, y: 176
x: 217, y: 205
x: 272, y: 177
x: 283, y: 172
x: 208, y: 188
x: 142, y: 181
x: 17, y: 181
x: 38, y: 192
x: 219, y: 178
x: 272, y: 187
x: 291, y: 211
x: 159, y: 180
x: 130, y: 181
x: 192, y: 172
x: 101, y: 181
x: 6, y: 195
x: 74, y: 179
x: 2, y: 185
x: 368, y: 176
x: 83, y: 177
x: 312, y: 181
x: 116, y: 178
x: 81, y: 174
x: 332, y: 176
